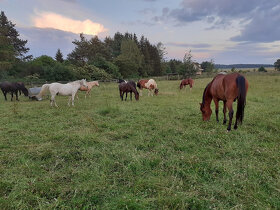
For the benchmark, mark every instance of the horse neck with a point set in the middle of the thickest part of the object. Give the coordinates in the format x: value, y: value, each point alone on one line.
x: 207, y: 97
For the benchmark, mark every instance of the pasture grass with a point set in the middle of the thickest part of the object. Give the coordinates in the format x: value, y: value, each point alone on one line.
x: 156, y: 153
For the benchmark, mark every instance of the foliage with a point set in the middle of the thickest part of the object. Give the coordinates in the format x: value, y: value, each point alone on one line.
x: 107, y: 66
x: 189, y: 68
x: 262, y: 69
x: 59, y: 56
x: 208, y: 66
x: 9, y: 38
x: 91, y: 72
x: 277, y: 65
x: 130, y: 61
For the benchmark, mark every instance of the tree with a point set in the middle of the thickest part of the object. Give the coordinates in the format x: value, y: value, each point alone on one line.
x: 87, y: 50
x: 10, y: 37
x: 130, y: 61
x: 277, y: 65
x: 59, y: 56
x: 161, y: 51
x: 189, y: 67
x: 208, y: 66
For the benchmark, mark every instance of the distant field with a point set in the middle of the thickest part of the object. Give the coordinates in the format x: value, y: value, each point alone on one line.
x: 152, y: 154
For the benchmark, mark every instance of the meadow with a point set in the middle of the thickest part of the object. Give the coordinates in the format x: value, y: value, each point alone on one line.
x: 155, y: 153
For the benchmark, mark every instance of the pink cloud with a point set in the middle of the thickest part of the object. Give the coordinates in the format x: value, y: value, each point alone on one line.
x: 56, y: 21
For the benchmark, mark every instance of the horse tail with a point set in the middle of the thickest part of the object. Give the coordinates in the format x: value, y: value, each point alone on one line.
x: 44, y: 88
x: 240, y: 81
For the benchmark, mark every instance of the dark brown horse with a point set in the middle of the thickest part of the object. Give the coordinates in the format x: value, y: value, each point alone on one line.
x: 226, y: 88
x: 13, y: 88
x: 128, y: 87
x: 185, y: 82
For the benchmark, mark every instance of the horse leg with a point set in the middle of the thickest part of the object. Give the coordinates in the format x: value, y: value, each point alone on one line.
x: 16, y: 95
x: 125, y: 95
x: 12, y: 96
x: 230, y: 114
x: 69, y: 100
x: 216, y: 101
x: 225, y: 111
x: 131, y: 95
x: 5, y: 94
x: 121, y: 95
x: 73, y: 97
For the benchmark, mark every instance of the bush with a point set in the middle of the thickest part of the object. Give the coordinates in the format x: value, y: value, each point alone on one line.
x: 262, y: 69
x: 91, y: 72
x: 108, y: 66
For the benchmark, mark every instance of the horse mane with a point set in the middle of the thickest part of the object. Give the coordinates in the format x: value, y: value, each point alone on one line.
x: 204, y: 93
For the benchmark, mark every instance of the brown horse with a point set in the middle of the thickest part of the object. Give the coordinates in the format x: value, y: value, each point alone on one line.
x: 128, y: 87
x: 185, y: 82
x: 226, y: 88
x: 90, y: 85
x: 148, y: 84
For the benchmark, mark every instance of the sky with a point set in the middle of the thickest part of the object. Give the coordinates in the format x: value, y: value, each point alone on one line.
x: 225, y: 31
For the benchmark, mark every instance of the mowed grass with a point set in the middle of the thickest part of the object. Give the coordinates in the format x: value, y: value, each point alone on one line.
x: 156, y: 153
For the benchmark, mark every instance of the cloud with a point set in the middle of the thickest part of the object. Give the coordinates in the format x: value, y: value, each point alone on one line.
x: 257, y: 20
x: 46, y: 41
x: 184, y: 45
x: 56, y: 21
x: 264, y: 27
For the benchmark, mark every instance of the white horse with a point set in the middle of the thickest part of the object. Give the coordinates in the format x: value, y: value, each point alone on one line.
x: 69, y: 89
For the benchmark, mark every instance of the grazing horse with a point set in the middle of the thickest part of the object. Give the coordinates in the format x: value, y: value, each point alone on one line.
x: 69, y: 89
x: 130, y: 87
x: 147, y: 84
x: 90, y: 85
x: 186, y: 82
x: 226, y: 88
x: 13, y: 88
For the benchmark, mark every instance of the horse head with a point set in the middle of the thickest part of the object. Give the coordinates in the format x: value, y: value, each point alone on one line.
x: 206, y: 112
x: 156, y: 91
x: 138, y: 85
x: 136, y: 95
x: 83, y: 82
x: 181, y: 85
x: 25, y: 91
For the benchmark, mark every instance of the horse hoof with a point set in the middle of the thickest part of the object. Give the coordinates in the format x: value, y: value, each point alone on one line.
x: 235, y: 127
x: 224, y: 122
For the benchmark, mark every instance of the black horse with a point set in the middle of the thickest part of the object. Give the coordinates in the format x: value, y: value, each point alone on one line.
x: 130, y: 87
x: 13, y: 88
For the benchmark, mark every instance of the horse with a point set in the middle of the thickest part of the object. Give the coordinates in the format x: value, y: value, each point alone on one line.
x: 185, y: 82
x: 126, y: 87
x: 90, y: 85
x: 226, y: 88
x: 69, y: 89
x: 148, y: 84
x: 13, y: 88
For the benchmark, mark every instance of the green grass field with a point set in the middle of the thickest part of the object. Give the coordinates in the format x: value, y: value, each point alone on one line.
x: 152, y: 154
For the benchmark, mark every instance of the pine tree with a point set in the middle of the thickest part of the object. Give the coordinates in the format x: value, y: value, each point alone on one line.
x: 10, y: 37
x: 59, y: 56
